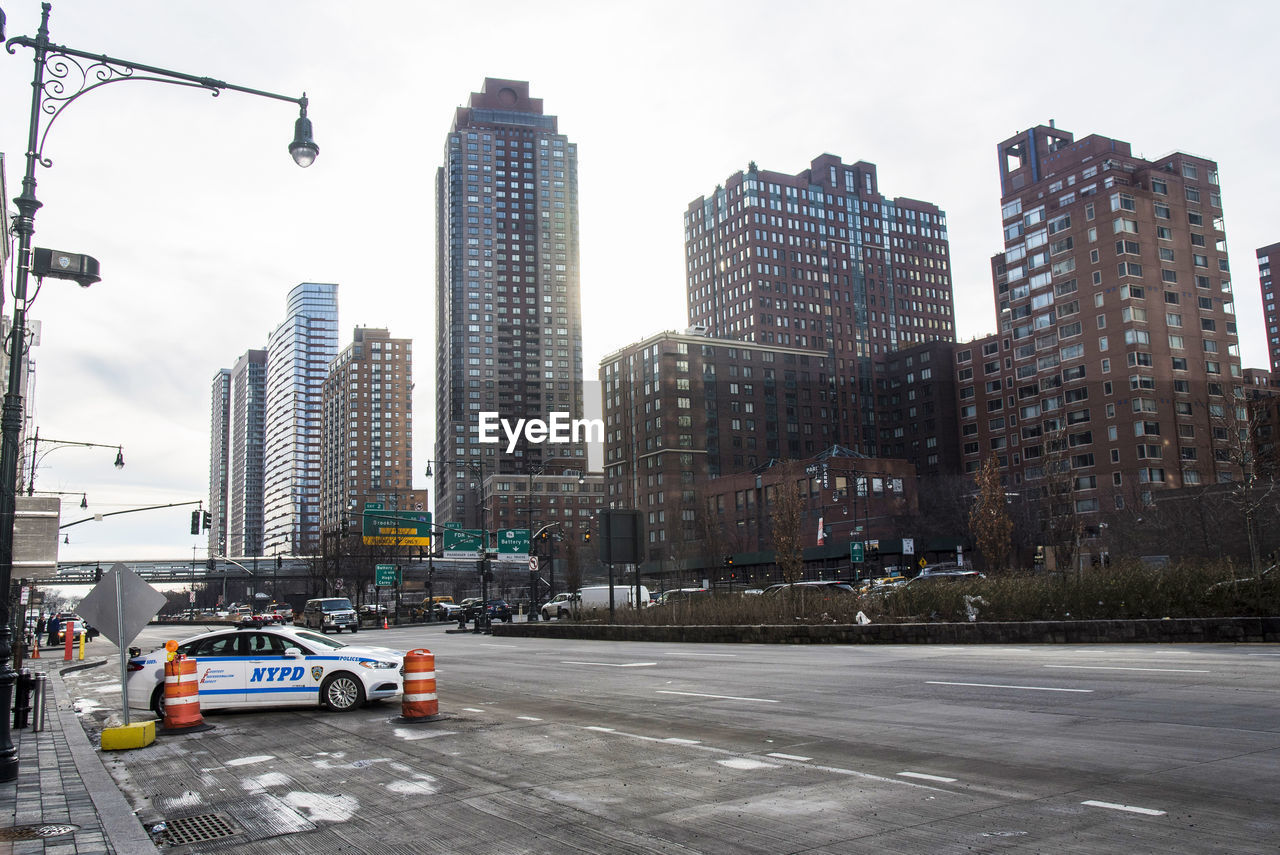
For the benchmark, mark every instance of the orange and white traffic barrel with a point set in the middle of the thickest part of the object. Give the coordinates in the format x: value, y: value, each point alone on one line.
x: 181, y: 695
x: 418, y: 699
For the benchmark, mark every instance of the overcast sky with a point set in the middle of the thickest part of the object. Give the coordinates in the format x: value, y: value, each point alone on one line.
x: 202, y: 223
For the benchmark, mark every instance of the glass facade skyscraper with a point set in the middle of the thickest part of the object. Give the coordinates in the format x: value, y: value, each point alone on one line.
x: 298, y: 355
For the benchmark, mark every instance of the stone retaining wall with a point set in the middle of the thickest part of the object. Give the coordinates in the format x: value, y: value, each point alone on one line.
x: 1181, y: 630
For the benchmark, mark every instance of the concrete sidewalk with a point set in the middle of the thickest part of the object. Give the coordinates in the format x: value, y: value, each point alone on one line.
x: 62, y: 782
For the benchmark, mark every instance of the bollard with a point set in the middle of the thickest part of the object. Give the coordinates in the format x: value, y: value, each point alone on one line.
x: 82, y: 635
x: 69, y: 630
x: 22, y: 699
x: 35, y: 641
x: 418, y: 699
x: 38, y: 700
x: 181, y: 695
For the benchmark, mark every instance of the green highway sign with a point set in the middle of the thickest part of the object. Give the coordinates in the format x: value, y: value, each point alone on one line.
x: 395, y: 528
x: 463, y: 542
x: 856, y: 552
x: 513, y: 544
x: 386, y: 575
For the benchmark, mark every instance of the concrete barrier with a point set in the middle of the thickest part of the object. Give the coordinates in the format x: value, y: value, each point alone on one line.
x: 1167, y: 631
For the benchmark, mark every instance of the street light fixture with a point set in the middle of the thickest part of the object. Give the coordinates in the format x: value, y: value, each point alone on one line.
x: 37, y: 455
x: 50, y: 95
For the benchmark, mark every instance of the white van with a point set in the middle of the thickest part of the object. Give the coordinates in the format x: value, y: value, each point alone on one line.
x: 592, y: 598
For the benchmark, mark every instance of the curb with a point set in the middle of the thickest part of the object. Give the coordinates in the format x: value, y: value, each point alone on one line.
x: 1136, y: 631
x: 120, y: 824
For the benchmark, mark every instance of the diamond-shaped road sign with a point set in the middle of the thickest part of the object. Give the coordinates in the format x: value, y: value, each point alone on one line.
x: 102, y: 610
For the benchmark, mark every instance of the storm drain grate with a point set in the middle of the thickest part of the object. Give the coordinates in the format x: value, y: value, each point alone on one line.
x: 196, y: 829
x: 36, y: 831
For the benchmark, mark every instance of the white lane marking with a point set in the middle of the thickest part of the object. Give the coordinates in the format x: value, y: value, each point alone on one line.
x: 746, y: 764
x: 503, y: 646
x: 722, y: 655
x: 835, y: 770
x: 922, y: 776
x: 610, y: 664
x: 1123, y: 668
x: 471, y: 709
x: 675, y: 740
x: 721, y: 697
x: 528, y: 718
x: 1126, y: 808
x: 1001, y: 686
x: 795, y: 757
x: 1264, y: 654
x: 246, y: 761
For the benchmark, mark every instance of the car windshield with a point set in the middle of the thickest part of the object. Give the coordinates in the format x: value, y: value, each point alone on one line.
x: 337, y: 605
x: 318, y: 640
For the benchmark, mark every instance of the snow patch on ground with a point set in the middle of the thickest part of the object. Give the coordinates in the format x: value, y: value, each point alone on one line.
x: 421, y: 785
x: 247, y: 761
x: 412, y: 735
x: 186, y: 800
x: 745, y: 764
x: 86, y: 705
x: 262, y: 782
x: 412, y: 782
x: 319, y: 807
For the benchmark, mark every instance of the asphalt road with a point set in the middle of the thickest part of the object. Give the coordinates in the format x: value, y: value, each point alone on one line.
x: 583, y: 746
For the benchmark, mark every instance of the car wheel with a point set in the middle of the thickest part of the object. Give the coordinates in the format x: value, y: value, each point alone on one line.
x: 157, y: 701
x: 561, y: 614
x: 354, y: 630
x: 341, y: 692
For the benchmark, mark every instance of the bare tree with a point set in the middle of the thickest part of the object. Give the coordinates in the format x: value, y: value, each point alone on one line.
x: 787, y: 513
x: 1061, y: 524
x: 989, y: 520
x: 1234, y: 425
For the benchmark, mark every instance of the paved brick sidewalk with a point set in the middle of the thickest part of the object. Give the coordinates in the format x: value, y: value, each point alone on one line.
x: 62, y: 781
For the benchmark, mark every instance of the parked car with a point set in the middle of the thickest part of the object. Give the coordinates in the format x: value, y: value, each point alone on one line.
x: 683, y: 595
x: 828, y: 587
x: 447, y: 611
x: 562, y: 605
x: 273, y: 666
x: 494, y: 609
x: 326, y: 613
x: 946, y: 572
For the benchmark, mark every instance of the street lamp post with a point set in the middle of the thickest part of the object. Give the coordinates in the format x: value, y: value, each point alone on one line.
x: 49, y: 97
x: 36, y: 456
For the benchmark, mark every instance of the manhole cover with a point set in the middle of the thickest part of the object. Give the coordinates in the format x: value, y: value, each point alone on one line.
x: 36, y: 831
x: 194, y: 829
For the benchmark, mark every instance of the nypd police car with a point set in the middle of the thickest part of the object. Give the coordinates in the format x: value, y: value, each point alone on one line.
x: 272, y: 666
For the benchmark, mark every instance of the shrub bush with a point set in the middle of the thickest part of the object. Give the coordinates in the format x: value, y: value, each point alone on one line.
x: 1125, y: 590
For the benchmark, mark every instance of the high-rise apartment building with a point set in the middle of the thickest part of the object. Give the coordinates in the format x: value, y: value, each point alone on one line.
x: 509, y: 319
x: 298, y: 355
x: 1269, y: 258
x: 367, y: 452
x: 236, y: 456
x: 219, y: 457
x: 1116, y: 370
x: 246, y: 442
x: 823, y: 262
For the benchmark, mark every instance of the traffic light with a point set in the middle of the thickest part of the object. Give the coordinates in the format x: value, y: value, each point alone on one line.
x: 544, y: 535
x: 207, y: 520
x: 586, y: 537
x: 728, y: 561
x: 195, y: 522
x: 279, y: 562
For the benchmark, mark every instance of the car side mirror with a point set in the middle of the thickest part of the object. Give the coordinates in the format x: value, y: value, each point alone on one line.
x: 293, y: 653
